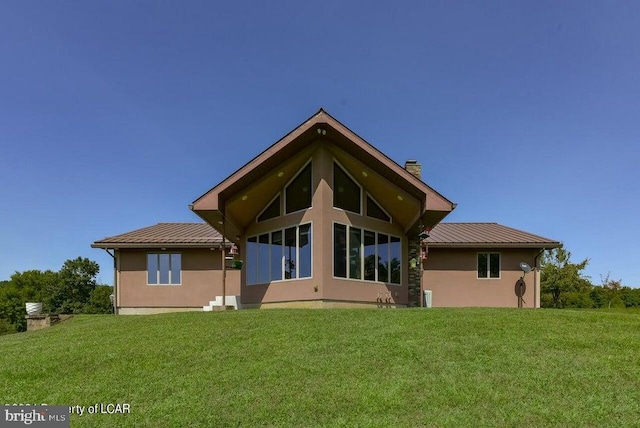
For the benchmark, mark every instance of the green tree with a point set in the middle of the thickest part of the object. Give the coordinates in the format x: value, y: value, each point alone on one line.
x: 77, y: 281
x: 35, y: 286
x: 99, y: 301
x: 12, y: 309
x: 558, y: 275
x: 614, y: 288
x: 599, y: 296
x: 630, y: 297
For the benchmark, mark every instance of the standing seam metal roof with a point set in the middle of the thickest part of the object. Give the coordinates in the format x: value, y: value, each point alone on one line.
x: 459, y: 234
x: 443, y: 235
x: 189, y: 234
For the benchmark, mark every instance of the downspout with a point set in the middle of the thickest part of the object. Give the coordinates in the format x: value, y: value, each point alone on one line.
x: 535, y: 277
x: 421, y: 291
x: 224, y: 262
x: 115, y: 280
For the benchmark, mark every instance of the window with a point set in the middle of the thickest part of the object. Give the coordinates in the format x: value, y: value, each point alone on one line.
x: 276, y: 255
x: 362, y: 254
x: 375, y: 211
x: 164, y: 268
x: 346, y: 192
x: 298, y: 192
x: 488, y: 265
x: 340, y: 250
x: 355, y: 253
x: 272, y: 211
x: 369, y: 256
x: 279, y: 255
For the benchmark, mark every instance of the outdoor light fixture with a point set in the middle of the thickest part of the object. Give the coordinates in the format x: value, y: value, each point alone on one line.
x: 424, y: 234
x: 233, y: 250
x: 521, y: 286
x: 322, y: 131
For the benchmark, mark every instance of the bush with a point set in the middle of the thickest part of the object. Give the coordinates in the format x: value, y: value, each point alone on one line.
x: 630, y: 297
x: 546, y: 300
x: 99, y: 301
x: 575, y: 299
x: 6, y: 327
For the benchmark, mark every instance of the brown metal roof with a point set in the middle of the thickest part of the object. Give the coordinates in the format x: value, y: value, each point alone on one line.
x: 443, y: 235
x: 324, y: 129
x: 485, y: 235
x: 164, y: 234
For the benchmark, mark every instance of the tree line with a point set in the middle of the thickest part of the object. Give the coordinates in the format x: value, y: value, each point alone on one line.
x: 563, y: 284
x: 71, y: 290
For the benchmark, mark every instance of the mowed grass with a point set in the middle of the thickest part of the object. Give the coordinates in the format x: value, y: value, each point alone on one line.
x: 378, y: 367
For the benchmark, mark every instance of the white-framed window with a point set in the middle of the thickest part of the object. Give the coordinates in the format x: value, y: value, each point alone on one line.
x: 374, y: 210
x: 279, y: 255
x: 271, y: 211
x: 164, y: 268
x: 298, y: 192
x: 489, y: 265
x: 366, y: 255
x: 347, y: 193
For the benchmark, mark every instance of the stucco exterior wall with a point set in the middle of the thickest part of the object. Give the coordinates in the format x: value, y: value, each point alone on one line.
x: 452, y: 276
x: 322, y: 215
x: 201, y: 281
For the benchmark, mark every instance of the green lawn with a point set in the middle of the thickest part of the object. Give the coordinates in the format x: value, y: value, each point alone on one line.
x: 378, y: 367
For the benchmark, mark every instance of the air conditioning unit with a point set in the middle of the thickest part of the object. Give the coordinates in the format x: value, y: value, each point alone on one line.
x: 427, y: 298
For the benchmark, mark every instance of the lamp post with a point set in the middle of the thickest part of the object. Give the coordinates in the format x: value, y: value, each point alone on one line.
x: 521, y: 286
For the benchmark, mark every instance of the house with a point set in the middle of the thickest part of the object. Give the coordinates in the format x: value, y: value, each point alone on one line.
x: 323, y: 219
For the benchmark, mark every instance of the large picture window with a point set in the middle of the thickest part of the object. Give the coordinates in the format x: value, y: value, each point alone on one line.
x: 279, y: 255
x: 363, y: 254
x: 164, y: 268
x: 488, y: 265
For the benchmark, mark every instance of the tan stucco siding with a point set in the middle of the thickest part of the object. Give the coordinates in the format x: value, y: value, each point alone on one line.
x: 322, y: 216
x: 452, y: 276
x: 201, y: 280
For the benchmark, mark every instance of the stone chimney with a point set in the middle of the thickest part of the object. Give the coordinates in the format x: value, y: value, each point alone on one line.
x: 414, y: 168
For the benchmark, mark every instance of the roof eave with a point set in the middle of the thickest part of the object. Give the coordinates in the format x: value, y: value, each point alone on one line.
x: 144, y: 245
x: 537, y: 245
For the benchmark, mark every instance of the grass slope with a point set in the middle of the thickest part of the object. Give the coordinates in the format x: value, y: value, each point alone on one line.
x: 439, y: 367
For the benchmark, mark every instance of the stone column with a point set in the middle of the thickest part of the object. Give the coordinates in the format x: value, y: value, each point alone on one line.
x: 414, y: 273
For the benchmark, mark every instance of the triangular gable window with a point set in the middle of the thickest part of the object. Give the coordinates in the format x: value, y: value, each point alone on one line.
x: 346, y: 192
x: 374, y: 210
x: 272, y: 211
x: 298, y: 192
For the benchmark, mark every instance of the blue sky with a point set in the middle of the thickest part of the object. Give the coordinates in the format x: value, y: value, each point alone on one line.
x: 117, y: 115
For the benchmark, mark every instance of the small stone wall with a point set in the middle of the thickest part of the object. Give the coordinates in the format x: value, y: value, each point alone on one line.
x: 38, y: 322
